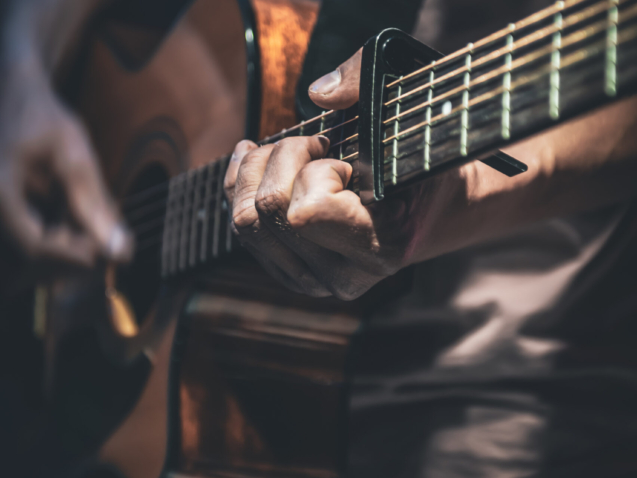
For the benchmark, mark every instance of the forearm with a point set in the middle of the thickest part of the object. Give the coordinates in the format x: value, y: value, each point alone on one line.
x: 585, y: 164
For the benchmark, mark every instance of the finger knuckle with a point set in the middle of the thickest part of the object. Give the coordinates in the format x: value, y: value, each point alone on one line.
x: 310, y: 170
x: 307, y: 211
x: 270, y: 202
x: 244, y: 216
x: 300, y: 216
x: 250, y: 159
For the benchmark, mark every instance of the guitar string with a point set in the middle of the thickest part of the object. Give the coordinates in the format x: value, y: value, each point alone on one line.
x: 567, y: 61
x: 525, y: 23
x: 485, y: 97
x: 570, y: 21
x: 569, y: 40
x: 520, y: 25
x: 601, y: 45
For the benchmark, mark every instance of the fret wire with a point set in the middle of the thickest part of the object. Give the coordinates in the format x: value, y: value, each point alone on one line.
x: 185, y: 217
x: 569, y: 40
x: 569, y: 60
x: 340, y: 145
x: 525, y: 41
x: 228, y: 215
x: 203, y: 248
x: 302, y: 128
x: 196, y: 216
x: 211, y: 214
x: 178, y: 208
x: 506, y: 85
x: 526, y: 22
x: 572, y: 59
x: 228, y: 233
x: 217, y: 217
x: 430, y: 96
x: 554, y: 92
x: 393, y: 173
x: 464, y: 120
x: 610, y: 72
x: 322, y: 126
x: 167, y: 233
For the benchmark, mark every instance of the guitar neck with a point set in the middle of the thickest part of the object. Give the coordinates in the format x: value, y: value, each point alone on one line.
x: 196, y: 226
x: 563, y: 61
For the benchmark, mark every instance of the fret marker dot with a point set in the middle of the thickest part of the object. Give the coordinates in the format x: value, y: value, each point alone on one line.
x: 446, y: 108
x: 201, y: 214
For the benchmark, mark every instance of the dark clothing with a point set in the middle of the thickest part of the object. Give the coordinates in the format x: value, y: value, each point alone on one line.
x: 515, y: 358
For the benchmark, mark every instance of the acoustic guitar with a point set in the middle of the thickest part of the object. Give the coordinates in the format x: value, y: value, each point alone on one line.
x: 252, y: 380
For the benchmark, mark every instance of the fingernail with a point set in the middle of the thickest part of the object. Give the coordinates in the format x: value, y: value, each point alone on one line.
x: 241, y: 150
x: 326, y: 84
x: 120, y: 243
x: 325, y: 141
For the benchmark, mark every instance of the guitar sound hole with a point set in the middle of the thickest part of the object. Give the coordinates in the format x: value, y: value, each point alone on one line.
x: 139, y: 281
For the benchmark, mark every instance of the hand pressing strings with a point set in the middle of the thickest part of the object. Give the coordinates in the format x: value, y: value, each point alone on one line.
x: 292, y: 210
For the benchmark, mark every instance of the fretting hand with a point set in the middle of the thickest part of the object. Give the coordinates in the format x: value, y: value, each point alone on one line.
x: 292, y: 210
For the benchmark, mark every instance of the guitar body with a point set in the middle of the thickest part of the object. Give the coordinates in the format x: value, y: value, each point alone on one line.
x: 227, y: 374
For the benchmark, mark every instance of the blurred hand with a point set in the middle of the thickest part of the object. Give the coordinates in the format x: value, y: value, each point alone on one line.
x: 53, y: 202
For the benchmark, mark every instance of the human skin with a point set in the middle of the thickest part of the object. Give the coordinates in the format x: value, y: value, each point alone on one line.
x: 44, y: 146
x: 292, y: 211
